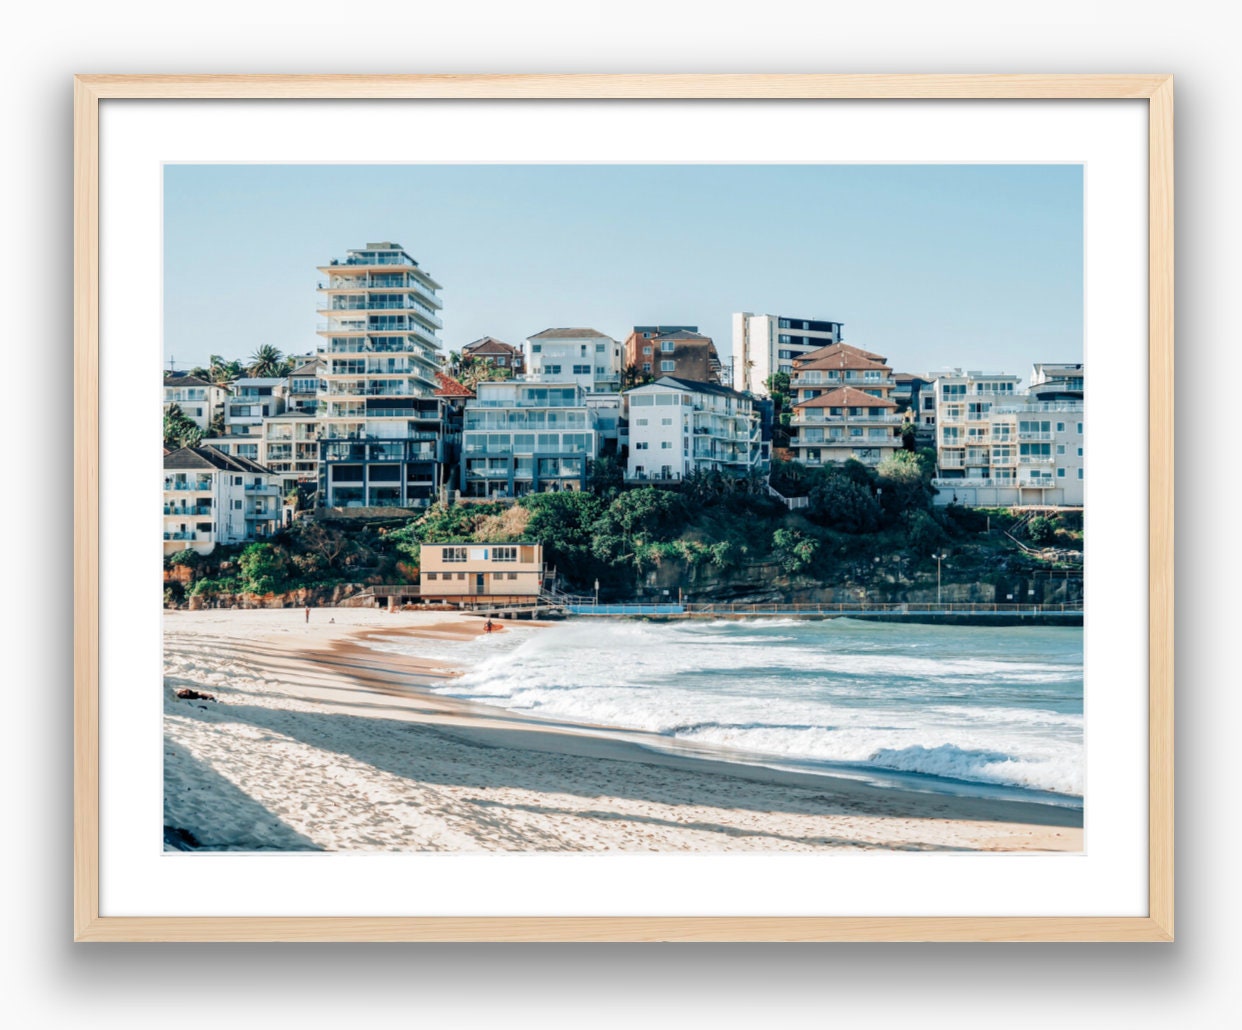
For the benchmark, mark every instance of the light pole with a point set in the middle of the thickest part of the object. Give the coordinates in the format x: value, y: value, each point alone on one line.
x: 939, y: 558
x: 597, y: 593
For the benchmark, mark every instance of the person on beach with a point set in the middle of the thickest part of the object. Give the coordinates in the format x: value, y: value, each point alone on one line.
x: 488, y: 627
x: 308, y: 613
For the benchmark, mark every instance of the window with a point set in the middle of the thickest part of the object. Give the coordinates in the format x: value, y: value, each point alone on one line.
x: 1080, y: 452
x: 504, y: 554
x: 1060, y: 427
x: 1060, y: 448
x: 454, y: 554
x: 432, y: 575
x: 641, y: 445
x: 599, y: 348
x: 642, y: 421
x: 536, y: 348
x: 646, y: 366
x: 554, y: 370
x: 1080, y: 429
x: 646, y: 350
x: 784, y: 338
x: 582, y: 370
x: 237, y: 505
x: 667, y: 346
x: 1080, y: 473
x: 665, y: 445
x: 511, y: 575
x: 668, y: 366
x: 460, y: 575
x: 1060, y: 473
x: 666, y: 421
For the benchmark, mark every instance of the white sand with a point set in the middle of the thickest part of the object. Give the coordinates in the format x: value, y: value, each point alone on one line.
x: 317, y: 742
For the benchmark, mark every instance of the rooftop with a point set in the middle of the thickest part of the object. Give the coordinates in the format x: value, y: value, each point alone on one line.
x: 846, y: 397
x: 694, y: 385
x: 190, y: 458
x: 569, y: 334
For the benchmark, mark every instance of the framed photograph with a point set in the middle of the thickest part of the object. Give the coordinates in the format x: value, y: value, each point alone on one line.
x: 623, y: 508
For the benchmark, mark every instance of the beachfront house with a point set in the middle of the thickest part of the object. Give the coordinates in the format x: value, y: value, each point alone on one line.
x: 583, y: 356
x: 678, y: 426
x: 999, y: 447
x: 672, y: 350
x: 475, y: 573
x: 526, y: 436
x: 198, y: 399
x: 214, y: 498
x: 250, y: 401
x: 843, y: 407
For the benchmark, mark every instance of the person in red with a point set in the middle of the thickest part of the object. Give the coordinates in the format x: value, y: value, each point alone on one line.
x: 308, y: 613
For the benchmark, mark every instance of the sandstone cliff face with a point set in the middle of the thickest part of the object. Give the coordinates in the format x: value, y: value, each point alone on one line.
x: 891, y: 580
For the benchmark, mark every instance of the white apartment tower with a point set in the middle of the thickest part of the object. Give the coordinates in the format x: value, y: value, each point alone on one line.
x: 766, y: 344
x: 378, y: 343
x: 381, y: 441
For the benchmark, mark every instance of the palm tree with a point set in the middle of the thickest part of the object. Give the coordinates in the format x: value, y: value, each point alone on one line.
x: 222, y: 372
x: 266, y: 361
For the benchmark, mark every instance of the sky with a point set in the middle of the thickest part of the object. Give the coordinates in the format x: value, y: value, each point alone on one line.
x: 933, y: 266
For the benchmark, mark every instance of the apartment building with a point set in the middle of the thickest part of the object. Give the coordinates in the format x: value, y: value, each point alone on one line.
x: 1057, y: 381
x: 997, y: 446
x: 678, y: 426
x: 303, y: 388
x: 843, y: 407
x: 496, y: 352
x: 198, y: 399
x: 213, y: 498
x: 523, y: 436
x: 380, y: 436
x: 583, y: 356
x: 290, y: 448
x: 766, y: 344
x: 674, y: 350
x: 471, y: 573
x: 250, y: 401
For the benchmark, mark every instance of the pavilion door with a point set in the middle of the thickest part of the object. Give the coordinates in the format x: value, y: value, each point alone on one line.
x: 478, y: 583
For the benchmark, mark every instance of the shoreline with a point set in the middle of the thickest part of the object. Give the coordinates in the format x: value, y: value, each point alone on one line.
x: 413, y: 770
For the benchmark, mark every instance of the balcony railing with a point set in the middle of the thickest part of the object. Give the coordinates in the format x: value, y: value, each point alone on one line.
x: 201, y: 485
x: 802, y: 419
x: 181, y: 536
x: 262, y: 488
x: 1032, y: 459
x: 1039, y: 437
x: 201, y: 510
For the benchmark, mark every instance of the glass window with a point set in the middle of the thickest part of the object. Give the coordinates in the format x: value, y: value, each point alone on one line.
x: 667, y: 346
x: 668, y: 366
x: 455, y: 554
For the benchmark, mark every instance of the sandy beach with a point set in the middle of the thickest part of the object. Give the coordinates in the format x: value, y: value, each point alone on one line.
x: 315, y: 741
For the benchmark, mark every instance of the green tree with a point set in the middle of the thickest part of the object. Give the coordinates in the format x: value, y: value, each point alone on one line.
x: 264, y: 568
x: 903, y: 485
x: 794, y: 550
x: 330, y: 544
x: 223, y: 372
x: 606, y: 476
x: 843, y: 504
x: 923, y: 533
x: 1042, y: 530
x: 179, y: 429
x: 266, y: 362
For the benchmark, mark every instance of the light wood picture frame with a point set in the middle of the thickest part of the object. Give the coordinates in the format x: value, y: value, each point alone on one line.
x: 91, y: 90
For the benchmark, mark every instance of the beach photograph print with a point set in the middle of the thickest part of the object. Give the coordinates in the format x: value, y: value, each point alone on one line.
x: 634, y: 508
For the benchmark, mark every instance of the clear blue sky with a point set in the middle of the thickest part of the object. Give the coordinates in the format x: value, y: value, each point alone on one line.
x: 978, y: 266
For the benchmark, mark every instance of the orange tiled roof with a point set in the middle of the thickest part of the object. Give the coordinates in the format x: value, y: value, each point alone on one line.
x: 846, y: 397
x: 450, y: 387
x: 839, y: 355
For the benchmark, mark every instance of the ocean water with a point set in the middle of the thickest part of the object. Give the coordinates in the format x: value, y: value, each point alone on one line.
x: 982, y: 710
